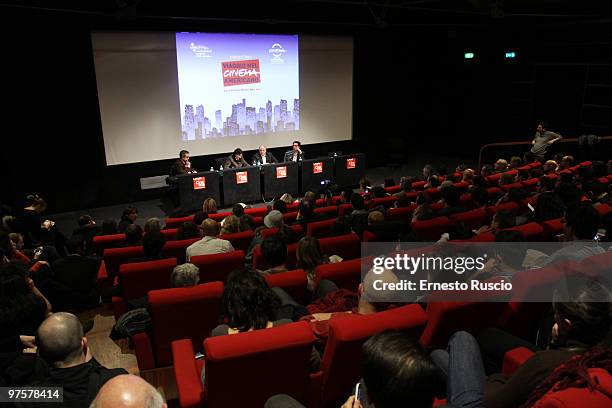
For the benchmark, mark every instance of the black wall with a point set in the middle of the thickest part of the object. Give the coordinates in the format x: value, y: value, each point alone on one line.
x: 438, y: 103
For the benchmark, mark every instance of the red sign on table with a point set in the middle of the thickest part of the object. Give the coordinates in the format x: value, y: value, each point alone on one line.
x: 317, y: 167
x: 351, y: 163
x: 281, y: 172
x: 199, y: 183
x: 242, y: 177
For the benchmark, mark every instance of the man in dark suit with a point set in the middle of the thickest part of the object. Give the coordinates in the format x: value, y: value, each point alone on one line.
x: 263, y: 157
x: 235, y: 160
x: 182, y: 165
x: 296, y: 153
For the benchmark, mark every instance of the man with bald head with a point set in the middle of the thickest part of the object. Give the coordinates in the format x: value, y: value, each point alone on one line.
x: 209, y: 244
x: 62, y: 345
x: 128, y: 391
x: 263, y: 157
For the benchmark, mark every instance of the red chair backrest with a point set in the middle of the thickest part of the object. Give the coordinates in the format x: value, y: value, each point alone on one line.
x: 170, y: 233
x: 262, y: 362
x: 320, y: 229
x: 297, y: 228
x: 176, y: 249
x: 572, y: 397
x: 219, y: 216
x: 419, y: 185
x: 508, y: 187
x: 430, y: 230
x: 400, y: 214
x: 345, y: 246
x: 530, y: 184
x: 216, y: 267
x: 387, y: 202
x: 552, y: 228
x: 344, y: 209
x: 472, y: 219
x: 137, y: 279
x: 597, y: 265
x: 531, y: 231
x: 289, y: 217
x: 256, y: 212
x: 102, y: 242
x: 293, y: 282
x: 393, y: 189
x: 346, y: 275
x: 341, y: 361
x: 509, y: 206
x: 330, y: 210
x: 433, y: 193
x: 603, y: 209
x: 114, y: 257
x: 176, y: 222
x: 183, y: 313
x: 239, y: 240
x: 494, y: 192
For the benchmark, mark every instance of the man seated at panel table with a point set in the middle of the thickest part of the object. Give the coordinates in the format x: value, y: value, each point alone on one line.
x: 296, y: 153
x: 263, y: 156
x: 235, y: 160
x: 182, y: 165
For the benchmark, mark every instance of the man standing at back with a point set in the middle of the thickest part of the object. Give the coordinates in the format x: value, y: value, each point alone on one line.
x: 210, y: 244
x: 542, y: 139
x: 61, y: 344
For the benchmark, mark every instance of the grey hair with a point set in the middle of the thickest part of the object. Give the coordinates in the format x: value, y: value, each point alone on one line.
x: 183, y: 275
x: 152, y: 224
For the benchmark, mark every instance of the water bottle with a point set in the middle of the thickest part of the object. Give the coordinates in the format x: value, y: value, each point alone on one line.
x: 212, y: 168
x: 220, y: 167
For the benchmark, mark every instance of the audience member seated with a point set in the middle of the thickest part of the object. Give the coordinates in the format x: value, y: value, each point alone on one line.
x: 188, y: 230
x: 152, y: 246
x: 468, y: 176
x: 28, y: 221
x: 345, y: 196
x: 199, y: 217
x: 508, y: 259
x: 280, y: 206
x: 62, y: 345
x: 548, y: 207
x: 364, y: 184
x: 152, y: 225
x: 133, y: 235
x: 306, y: 213
x: 238, y: 210
x: 309, y: 256
x: 287, y: 198
x: 423, y: 211
x: 209, y: 244
x: 580, y: 224
x: 581, y: 321
x: 501, y: 220
x: 486, y: 171
x: 247, y: 223
x: 209, y: 206
x: 565, y: 163
x: 86, y: 231
x: 450, y: 198
x: 515, y: 162
x: 230, y: 225
x: 128, y: 217
x: 506, y: 179
x: 501, y: 165
x: 550, y: 167
x: 74, y: 283
x: 433, y: 181
x: 342, y: 226
x: 184, y: 275
x: 379, y: 192
x: 109, y: 227
x: 397, y: 372
x: 128, y: 391
x: 480, y: 197
x: 428, y: 171
x: 274, y: 252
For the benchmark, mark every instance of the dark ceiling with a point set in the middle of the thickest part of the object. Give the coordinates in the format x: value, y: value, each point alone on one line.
x: 356, y: 13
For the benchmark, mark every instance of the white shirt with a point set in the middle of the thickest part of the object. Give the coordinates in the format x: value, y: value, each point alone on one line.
x: 208, y: 246
x: 295, y: 156
x: 263, y: 159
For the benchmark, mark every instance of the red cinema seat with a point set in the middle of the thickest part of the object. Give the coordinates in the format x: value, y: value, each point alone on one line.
x: 530, y: 184
x: 531, y: 231
x: 597, y: 265
x: 293, y: 282
x: 290, y: 217
x: 393, y: 189
x: 216, y: 267
x: 177, y: 222
x: 508, y: 187
x: 341, y: 361
x: 258, y: 221
x: 400, y: 214
x: 112, y: 258
x: 433, y: 193
x: 515, y: 358
x: 344, y: 209
x: 552, y: 228
x: 256, y: 212
x: 320, y: 229
x: 177, y: 249
x: 219, y: 216
x: 462, y: 186
x: 604, y: 180
x: 509, y: 206
x: 331, y: 210
x: 603, y: 209
x: 524, y: 168
x: 170, y: 233
x: 466, y: 201
x: 345, y: 246
x: 493, y: 178
x: 535, y: 165
x: 446, y: 318
x: 293, y: 206
x: 239, y: 240
x: 494, y: 192
x: 245, y: 369
x: 102, y: 242
x: 297, y: 229
x: 386, y: 202
x: 137, y: 279
x: 419, y: 185
x: 586, y: 163
x: 177, y: 313
x: 368, y: 236
x: 473, y: 219
x: 430, y: 230
x: 346, y: 275
x: 574, y: 397
x: 530, y: 301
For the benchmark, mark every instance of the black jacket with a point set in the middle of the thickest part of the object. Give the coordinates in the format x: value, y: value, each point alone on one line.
x: 256, y: 159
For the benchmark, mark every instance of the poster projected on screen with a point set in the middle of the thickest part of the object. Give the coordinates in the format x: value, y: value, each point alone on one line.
x: 237, y: 84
